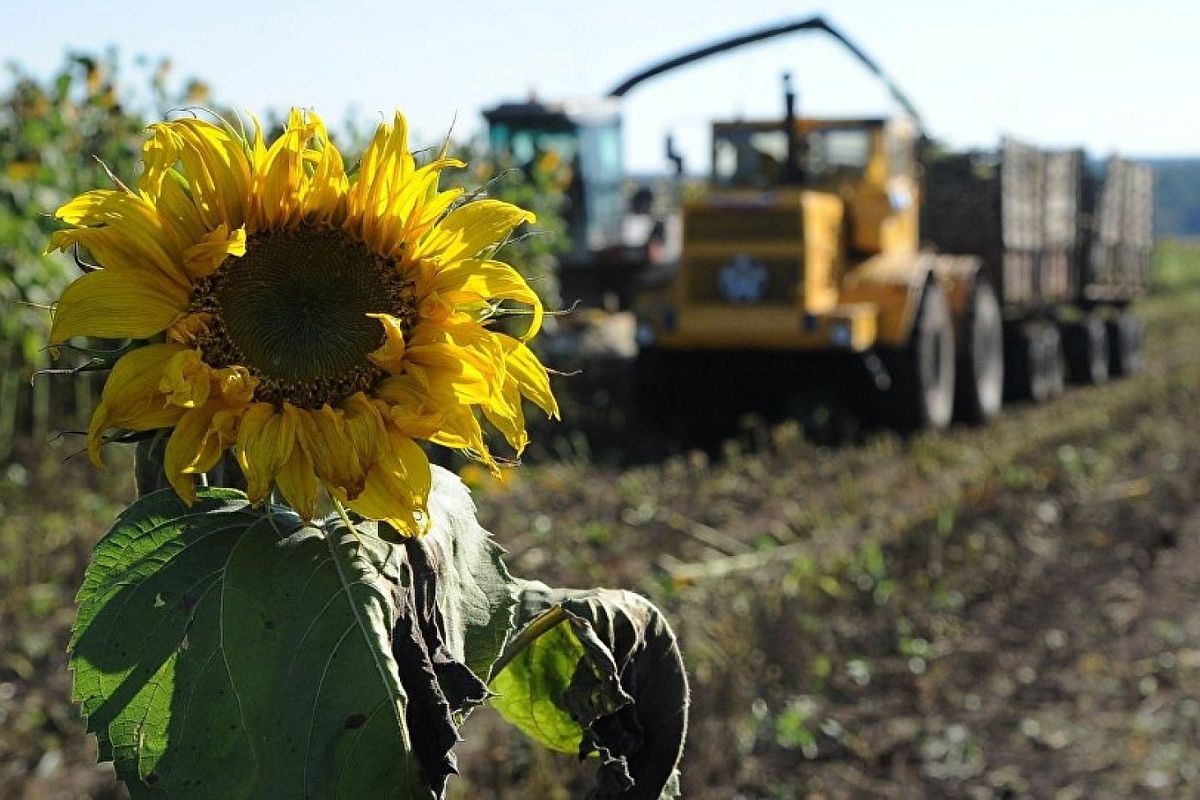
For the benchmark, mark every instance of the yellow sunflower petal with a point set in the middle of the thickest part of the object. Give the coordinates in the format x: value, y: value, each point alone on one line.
x: 323, y: 200
x: 179, y: 215
x: 235, y: 384
x: 323, y: 435
x: 213, y: 157
x: 264, y: 443
x: 469, y: 229
x: 186, y: 380
x: 365, y: 429
x: 196, y: 444
x: 531, y: 376
x: 507, y: 417
x: 280, y: 176
x: 298, y: 483
x: 131, y: 398
x: 466, y: 355
x: 134, y: 249
x: 127, y: 231
x: 214, y: 247
x: 117, y: 305
x: 390, y: 355
x: 474, y: 280
x: 397, y: 486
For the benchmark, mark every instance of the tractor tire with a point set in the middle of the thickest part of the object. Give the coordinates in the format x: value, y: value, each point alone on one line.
x: 1086, y: 346
x: 1126, y: 338
x: 922, y: 391
x: 1033, y: 361
x: 980, y: 370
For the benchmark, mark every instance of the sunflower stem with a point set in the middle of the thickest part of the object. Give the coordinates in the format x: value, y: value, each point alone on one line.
x: 341, y: 511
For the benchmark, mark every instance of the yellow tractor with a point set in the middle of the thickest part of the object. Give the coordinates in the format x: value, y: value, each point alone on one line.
x: 807, y: 241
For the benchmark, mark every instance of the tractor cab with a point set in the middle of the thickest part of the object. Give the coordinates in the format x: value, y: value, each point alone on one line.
x: 867, y: 164
x: 584, y: 141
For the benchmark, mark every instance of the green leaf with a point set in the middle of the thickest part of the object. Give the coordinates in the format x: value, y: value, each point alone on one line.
x: 223, y: 651
x: 598, y: 671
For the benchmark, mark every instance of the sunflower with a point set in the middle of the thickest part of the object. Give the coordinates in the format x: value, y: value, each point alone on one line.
x: 316, y: 321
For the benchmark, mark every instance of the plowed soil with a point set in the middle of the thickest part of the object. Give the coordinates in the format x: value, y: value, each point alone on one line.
x: 1012, y: 611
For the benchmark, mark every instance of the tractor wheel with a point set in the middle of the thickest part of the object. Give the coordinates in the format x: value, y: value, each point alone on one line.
x: 922, y: 391
x: 1086, y: 347
x: 1126, y: 336
x: 1033, y: 361
x: 980, y: 369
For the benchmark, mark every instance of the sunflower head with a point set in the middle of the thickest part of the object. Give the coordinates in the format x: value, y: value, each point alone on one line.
x: 315, y: 321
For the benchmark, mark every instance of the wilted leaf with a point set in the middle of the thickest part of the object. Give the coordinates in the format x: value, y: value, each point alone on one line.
x: 454, y: 614
x: 598, y: 671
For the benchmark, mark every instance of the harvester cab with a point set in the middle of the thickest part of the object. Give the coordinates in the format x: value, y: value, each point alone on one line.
x: 581, y: 144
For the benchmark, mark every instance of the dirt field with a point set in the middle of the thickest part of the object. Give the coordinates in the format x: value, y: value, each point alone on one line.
x: 1005, y: 612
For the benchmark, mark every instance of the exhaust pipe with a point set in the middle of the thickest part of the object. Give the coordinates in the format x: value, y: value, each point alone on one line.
x: 793, y: 172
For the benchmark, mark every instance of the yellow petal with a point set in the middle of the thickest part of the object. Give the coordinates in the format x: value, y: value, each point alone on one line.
x: 466, y: 355
x: 410, y: 407
x: 323, y: 199
x: 200, y: 437
x: 475, y: 280
x: 123, y: 231
x: 397, y: 486
x: 323, y: 435
x: 179, y: 215
x: 364, y: 428
x: 298, y: 483
x: 128, y: 249
x: 279, y: 177
x: 131, y: 398
x: 215, y: 161
x: 117, y: 305
x: 390, y: 355
x: 469, y: 229
x: 214, y: 247
x: 265, y: 441
x: 185, y: 381
x: 507, y: 417
x: 529, y: 373
x: 235, y: 384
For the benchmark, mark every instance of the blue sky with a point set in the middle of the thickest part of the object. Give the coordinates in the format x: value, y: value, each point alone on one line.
x: 1112, y: 76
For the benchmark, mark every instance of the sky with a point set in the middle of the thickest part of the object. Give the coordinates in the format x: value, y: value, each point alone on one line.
x: 1109, y: 76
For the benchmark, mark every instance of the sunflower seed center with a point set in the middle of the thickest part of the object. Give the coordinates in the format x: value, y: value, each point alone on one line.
x: 293, y: 311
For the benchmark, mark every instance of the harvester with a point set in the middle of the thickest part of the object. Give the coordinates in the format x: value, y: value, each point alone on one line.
x: 618, y: 234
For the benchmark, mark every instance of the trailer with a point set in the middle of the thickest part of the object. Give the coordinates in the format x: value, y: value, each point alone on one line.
x: 1066, y: 245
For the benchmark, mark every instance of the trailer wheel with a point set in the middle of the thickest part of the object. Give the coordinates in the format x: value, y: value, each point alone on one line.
x: 922, y: 392
x: 980, y: 370
x: 1033, y: 361
x: 1126, y: 337
x: 1086, y: 346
